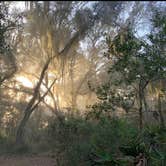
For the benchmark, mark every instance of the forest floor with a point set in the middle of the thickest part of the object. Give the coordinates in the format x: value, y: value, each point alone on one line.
x: 33, y: 160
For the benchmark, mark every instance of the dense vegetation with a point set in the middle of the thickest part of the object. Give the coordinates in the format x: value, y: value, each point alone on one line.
x: 78, y: 83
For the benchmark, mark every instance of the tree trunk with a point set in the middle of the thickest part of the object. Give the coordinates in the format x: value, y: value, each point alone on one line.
x: 74, y: 101
x: 162, y: 124
x: 20, y: 131
x: 140, y: 107
x: 31, y: 105
x: 29, y: 109
x: 140, y: 113
x: 145, y: 102
x: 142, y: 87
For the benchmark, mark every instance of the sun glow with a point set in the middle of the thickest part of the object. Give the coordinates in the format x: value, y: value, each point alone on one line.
x: 49, y: 100
x: 24, y: 81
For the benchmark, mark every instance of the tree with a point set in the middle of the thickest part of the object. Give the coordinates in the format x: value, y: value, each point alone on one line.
x: 135, y: 63
x: 7, y: 58
x: 60, y: 26
x: 53, y: 49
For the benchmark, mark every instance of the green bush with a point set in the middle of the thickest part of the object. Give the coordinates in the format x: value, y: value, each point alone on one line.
x: 76, y: 139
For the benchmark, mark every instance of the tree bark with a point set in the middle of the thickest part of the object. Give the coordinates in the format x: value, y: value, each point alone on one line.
x: 162, y: 124
x: 28, y: 110
x: 140, y: 111
x: 142, y: 86
x: 20, y: 131
x: 31, y: 105
x: 141, y: 91
x: 145, y: 102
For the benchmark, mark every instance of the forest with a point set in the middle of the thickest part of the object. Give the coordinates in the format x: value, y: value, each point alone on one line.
x: 82, y: 83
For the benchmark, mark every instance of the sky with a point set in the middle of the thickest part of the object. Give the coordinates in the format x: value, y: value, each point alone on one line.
x: 19, y: 5
x: 142, y: 30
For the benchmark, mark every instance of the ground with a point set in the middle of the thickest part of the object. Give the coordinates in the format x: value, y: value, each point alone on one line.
x: 27, y: 161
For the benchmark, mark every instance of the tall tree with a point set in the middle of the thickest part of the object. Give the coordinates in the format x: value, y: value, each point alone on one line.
x: 135, y: 63
x: 8, y: 24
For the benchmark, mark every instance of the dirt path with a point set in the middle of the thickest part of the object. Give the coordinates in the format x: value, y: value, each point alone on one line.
x: 27, y: 161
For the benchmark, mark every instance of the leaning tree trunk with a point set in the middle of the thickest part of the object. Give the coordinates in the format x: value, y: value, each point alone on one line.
x: 21, y: 128
x: 28, y: 111
x: 31, y: 105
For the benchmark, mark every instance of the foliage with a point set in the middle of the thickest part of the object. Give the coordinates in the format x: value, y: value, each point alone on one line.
x: 106, y: 159
x: 57, y: 31
x: 138, y: 63
x: 8, y: 23
x: 134, y: 64
x: 106, y: 142
x: 110, y: 99
x: 149, y: 144
x: 146, y: 146
x: 86, y: 138
x: 5, y: 23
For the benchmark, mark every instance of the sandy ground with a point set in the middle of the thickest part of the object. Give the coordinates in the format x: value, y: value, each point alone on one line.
x: 27, y: 161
